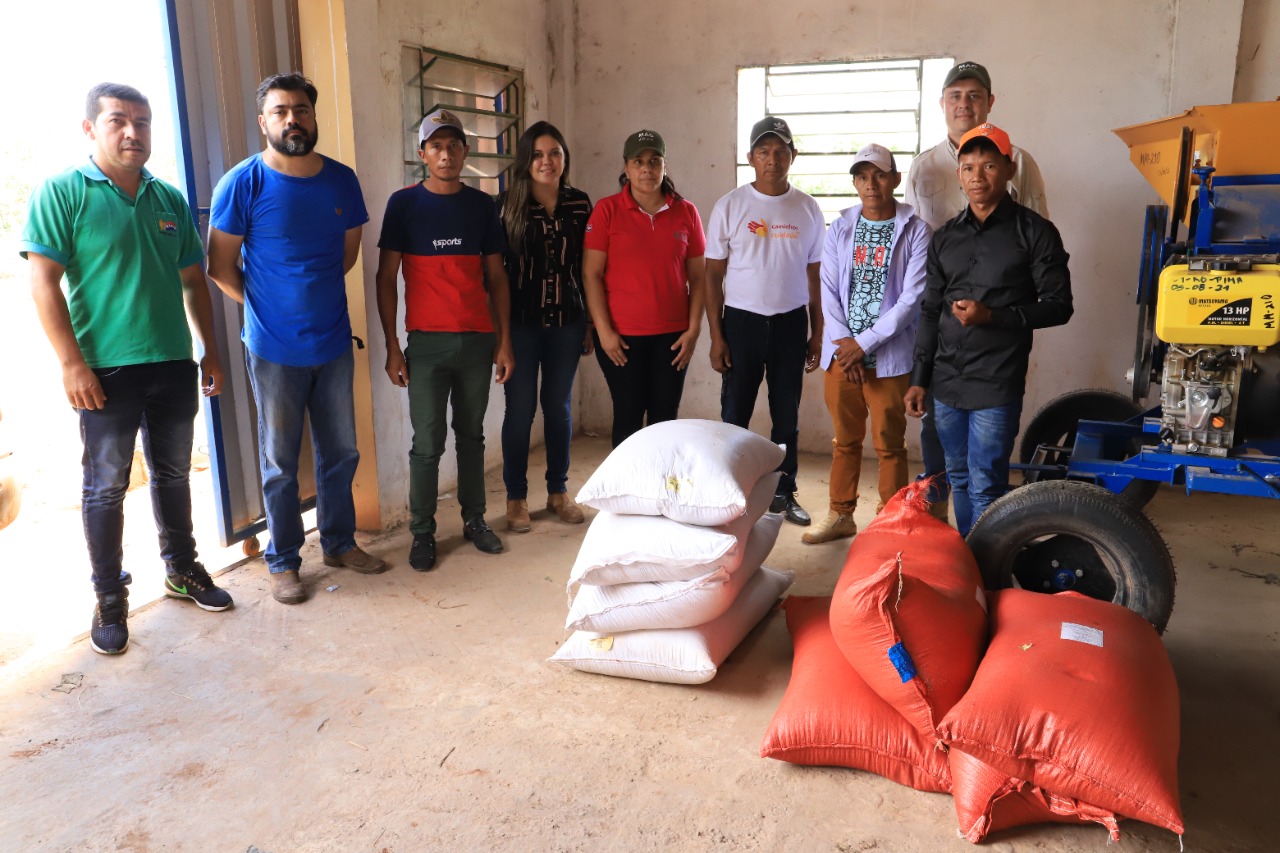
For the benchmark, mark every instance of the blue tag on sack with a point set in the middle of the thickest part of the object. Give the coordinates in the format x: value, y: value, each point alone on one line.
x: 901, y: 660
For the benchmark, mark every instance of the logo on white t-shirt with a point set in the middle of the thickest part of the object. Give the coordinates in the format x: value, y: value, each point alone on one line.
x: 761, y: 228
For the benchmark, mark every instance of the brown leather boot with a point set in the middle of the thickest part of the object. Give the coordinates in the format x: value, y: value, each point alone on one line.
x: 562, y: 505
x: 835, y: 526
x: 286, y: 588
x: 518, y: 519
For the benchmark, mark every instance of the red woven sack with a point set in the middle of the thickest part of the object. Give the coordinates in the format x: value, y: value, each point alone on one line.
x: 829, y: 717
x: 989, y: 801
x: 1076, y: 696
x: 909, y: 612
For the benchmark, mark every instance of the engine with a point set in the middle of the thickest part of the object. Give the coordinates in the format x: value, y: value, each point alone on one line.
x: 1218, y: 317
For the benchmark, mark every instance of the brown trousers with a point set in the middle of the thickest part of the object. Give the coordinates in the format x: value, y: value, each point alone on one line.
x: 850, y: 405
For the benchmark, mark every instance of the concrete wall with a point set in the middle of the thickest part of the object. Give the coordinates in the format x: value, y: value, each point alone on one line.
x: 1063, y: 74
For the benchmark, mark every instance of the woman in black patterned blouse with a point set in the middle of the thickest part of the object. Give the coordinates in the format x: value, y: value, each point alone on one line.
x: 545, y: 220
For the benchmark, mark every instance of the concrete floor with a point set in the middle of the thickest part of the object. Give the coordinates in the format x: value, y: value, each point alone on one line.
x: 409, y: 712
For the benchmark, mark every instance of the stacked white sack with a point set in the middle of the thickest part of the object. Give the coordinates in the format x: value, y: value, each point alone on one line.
x: 669, y: 576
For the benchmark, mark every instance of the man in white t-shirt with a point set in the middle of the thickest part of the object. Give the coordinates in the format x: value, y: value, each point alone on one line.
x: 934, y: 191
x: 764, y: 308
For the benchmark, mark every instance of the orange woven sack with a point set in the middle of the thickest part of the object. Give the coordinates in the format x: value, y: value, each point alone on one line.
x: 1076, y: 696
x: 829, y: 717
x: 989, y: 801
x: 909, y: 612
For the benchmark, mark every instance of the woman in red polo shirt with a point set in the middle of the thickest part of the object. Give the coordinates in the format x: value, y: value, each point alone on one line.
x: 643, y: 271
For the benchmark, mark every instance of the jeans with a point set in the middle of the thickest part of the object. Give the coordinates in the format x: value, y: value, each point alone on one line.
x: 850, y: 405
x: 447, y: 367
x: 646, y: 387
x: 769, y: 348
x: 935, y: 461
x: 556, y: 351
x: 285, y: 396
x: 161, y: 399
x: 977, y: 443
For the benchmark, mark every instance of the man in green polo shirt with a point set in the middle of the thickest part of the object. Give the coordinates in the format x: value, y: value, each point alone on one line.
x: 131, y: 256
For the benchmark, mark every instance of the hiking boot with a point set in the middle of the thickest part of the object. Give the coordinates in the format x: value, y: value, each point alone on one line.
x: 518, y: 519
x: 790, y: 510
x: 422, y: 553
x: 109, y: 633
x: 836, y: 525
x: 357, y: 561
x: 482, y: 535
x: 286, y: 588
x: 195, y: 584
x: 563, y: 506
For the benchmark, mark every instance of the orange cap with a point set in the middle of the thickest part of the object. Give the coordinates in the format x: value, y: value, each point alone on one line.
x: 990, y: 131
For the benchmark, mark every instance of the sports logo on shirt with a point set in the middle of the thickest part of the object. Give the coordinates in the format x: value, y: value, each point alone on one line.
x: 167, y: 225
x: 446, y: 242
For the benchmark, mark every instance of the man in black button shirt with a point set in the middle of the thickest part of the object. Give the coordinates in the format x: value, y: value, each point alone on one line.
x: 995, y: 273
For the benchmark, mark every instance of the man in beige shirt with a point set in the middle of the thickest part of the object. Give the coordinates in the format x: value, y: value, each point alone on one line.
x: 933, y: 189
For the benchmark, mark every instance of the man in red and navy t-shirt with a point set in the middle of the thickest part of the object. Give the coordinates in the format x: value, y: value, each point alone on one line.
x: 449, y: 239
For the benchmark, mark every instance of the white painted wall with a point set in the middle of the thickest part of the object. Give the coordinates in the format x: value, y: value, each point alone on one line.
x: 1064, y: 76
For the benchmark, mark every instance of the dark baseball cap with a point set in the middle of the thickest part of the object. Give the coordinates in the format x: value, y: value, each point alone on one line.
x: 644, y: 140
x: 770, y: 124
x: 968, y: 70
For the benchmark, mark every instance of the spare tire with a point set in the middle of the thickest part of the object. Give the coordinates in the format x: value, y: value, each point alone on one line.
x: 1060, y: 534
x: 1055, y: 425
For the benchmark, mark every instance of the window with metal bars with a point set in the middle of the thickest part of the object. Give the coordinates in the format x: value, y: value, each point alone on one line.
x: 835, y: 108
x: 487, y: 97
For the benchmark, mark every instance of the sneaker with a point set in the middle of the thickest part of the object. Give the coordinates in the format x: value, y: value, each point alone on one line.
x: 563, y: 506
x: 836, y: 525
x: 422, y: 553
x: 194, y: 583
x: 518, y: 520
x: 940, y: 510
x: 790, y: 510
x: 479, y: 533
x: 356, y: 560
x: 109, y: 633
x: 286, y: 588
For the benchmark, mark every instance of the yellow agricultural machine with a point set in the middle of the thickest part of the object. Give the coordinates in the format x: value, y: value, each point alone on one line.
x: 1207, y: 335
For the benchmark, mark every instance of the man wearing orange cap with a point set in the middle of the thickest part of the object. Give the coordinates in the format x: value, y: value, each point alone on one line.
x: 995, y: 273
x: 932, y: 190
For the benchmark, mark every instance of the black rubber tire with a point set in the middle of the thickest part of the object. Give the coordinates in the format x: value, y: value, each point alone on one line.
x: 1055, y: 425
x: 1104, y: 546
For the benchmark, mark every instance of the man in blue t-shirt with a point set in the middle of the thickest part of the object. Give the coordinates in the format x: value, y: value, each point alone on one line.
x: 294, y: 216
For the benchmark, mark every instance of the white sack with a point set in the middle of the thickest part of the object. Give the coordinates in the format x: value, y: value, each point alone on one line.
x: 635, y: 548
x: 695, y: 471
x: 672, y: 604
x: 680, y: 655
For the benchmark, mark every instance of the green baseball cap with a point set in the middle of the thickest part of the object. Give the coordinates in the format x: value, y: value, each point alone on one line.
x: 643, y: 140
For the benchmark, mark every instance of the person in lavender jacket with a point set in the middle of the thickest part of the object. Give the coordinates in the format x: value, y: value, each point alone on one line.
x: 873, y: 272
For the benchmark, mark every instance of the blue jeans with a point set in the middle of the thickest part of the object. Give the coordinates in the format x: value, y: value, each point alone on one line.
x: 771, y: 348
x: 285, y: 396
x: 935, y: 461
x: 977, y: 443
x: 161, y: 399
x: 557, y: 351
x: 447, y: 369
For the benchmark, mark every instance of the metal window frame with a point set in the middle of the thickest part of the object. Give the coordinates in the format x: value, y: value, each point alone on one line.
x: 508, y: 107
x: 793, y: 71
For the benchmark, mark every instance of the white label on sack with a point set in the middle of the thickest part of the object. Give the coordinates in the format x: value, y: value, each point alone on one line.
x: 1082, y: 634
x: 982, y: 598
